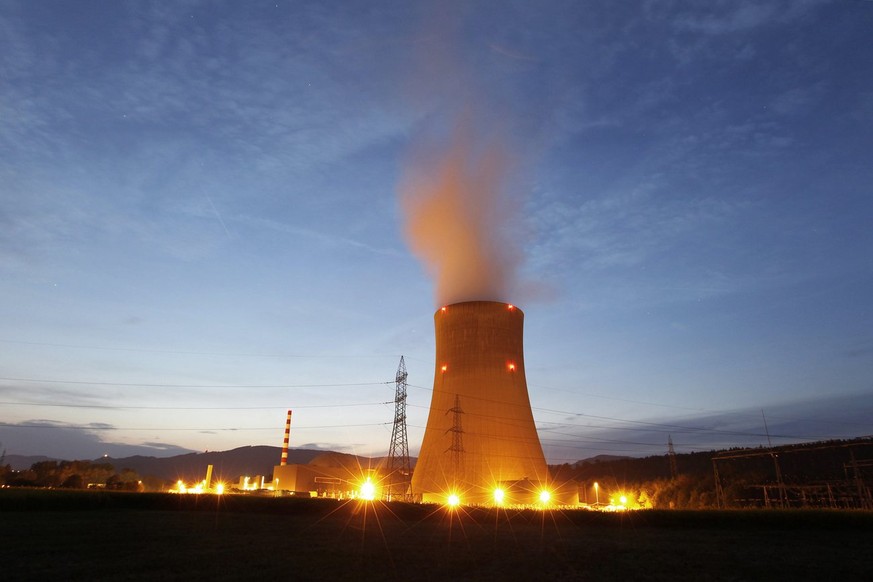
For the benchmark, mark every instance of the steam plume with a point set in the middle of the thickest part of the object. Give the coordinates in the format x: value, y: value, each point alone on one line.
x: 459, y: 210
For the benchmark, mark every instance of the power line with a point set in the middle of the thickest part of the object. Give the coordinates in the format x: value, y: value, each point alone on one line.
x: 162, y: 428
x: 666, y: 426
x: 732, y: 412
x: 144, y: 385
x: 661, y: 426
x: 345, y: 356
x: 643, y: 425
x: 640, y: 425
x: 195, y: 352
x: 112, y: 407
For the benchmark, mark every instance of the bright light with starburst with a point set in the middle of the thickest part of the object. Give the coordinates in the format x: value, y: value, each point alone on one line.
x: 368, y: 490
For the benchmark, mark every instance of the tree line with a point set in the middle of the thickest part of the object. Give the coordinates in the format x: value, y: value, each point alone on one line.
x: 71, y: 475
x: 837, y: 474
x: 646, y: 483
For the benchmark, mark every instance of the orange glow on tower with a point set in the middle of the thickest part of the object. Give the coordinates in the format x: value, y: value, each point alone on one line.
x: 480, y: 429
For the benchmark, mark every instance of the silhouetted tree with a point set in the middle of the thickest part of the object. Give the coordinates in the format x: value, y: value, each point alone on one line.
x: 74, y: 481
x: 47, y: 474
x: 130, y: 480
x: 22, y: 479
x: 99, y: 473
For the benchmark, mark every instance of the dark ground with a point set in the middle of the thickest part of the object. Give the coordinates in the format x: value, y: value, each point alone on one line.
x: 69, y: 535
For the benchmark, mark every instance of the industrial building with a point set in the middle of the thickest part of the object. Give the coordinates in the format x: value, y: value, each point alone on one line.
x: 334, y: 475
x: 480, y: 444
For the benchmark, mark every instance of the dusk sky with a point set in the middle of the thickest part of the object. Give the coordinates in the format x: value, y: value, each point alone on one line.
x: 211, y: 212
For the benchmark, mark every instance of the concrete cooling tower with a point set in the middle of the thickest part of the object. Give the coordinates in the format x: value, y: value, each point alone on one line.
x: 480, y: 443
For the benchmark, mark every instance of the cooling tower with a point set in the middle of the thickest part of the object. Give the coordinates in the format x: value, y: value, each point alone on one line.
x: 480, y: 433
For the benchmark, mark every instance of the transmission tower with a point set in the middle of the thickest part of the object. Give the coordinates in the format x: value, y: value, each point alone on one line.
x: 783, y: 493
x: 671, y: 454
x: 457, y: 448
x: 399, y: 468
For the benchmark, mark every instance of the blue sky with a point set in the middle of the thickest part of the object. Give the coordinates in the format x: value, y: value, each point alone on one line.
x: 201, y: 222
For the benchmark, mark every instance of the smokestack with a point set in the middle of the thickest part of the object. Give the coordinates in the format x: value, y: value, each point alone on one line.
x: 480, y: 433
x: 284, y: 460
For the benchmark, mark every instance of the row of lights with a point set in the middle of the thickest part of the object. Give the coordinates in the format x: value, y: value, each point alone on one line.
x: 509, y: 306
x: 509, y: 366
x: 197, y: 488
x: 454, y: 500
x: 367, y: 492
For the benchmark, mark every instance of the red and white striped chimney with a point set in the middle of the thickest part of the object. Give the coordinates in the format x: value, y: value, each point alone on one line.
x: 284, y: 460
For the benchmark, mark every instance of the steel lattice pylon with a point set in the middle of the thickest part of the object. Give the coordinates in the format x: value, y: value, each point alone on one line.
x: 671, y: 455
x: 399, y: 467
x: 457, y: 448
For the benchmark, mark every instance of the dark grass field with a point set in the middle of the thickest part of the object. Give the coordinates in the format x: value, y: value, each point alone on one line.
x: 66, y: 535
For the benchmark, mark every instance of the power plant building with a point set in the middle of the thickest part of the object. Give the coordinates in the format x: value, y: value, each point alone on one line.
x: 331, y: 474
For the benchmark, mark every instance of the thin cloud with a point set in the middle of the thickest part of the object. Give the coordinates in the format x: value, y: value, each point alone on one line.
x: 798, y: 100
x: 738, y: 17
x: 329, y: 240
x: 731, y: 17
x: 511, y: 53
x: 59, y: 440
x: 833, y: 417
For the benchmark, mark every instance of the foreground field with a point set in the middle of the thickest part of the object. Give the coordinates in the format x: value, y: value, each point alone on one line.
x: 129, y: 536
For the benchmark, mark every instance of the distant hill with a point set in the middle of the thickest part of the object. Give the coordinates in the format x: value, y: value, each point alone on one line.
x: 227, y: 465
x: 601, y: 459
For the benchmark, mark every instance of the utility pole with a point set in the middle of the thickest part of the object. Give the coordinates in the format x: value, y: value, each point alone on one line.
x: 457, y: 447
x: 671, y: 454
x: 863, y: 493
x: 399, y: 467
x: 720, y: 500
x: 783, y: 494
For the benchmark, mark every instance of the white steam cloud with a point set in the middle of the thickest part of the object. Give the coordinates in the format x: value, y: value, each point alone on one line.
x: 460, y: 214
